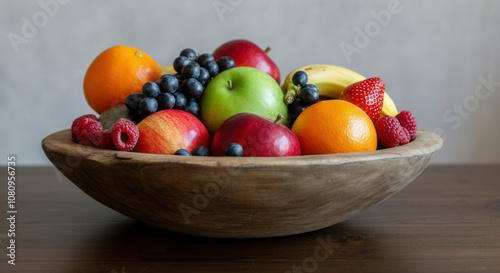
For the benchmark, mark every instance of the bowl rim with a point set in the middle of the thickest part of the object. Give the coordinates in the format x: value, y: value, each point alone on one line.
x: 61, y: 142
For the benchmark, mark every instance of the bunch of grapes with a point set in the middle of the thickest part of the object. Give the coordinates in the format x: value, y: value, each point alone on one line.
x: 182, y: 90
x: 306, y: 95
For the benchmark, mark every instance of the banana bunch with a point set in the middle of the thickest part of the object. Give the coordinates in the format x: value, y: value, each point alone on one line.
x: 331, y: 81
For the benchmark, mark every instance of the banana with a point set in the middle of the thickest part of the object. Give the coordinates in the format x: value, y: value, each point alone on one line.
x: 389, y: 107
x: 167, y: 69
x: 331, y: 80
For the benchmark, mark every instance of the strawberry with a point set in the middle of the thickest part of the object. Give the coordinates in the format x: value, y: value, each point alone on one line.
x: 367, y: 95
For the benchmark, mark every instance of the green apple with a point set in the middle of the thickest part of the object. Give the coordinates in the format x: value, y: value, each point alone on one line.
x: 241, y: 90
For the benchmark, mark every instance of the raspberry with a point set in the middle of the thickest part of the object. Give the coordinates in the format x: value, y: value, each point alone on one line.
x: 125, y: 134
x: 103, y: 140
x: 89, y: 133
x: 390, y: 133
x: 407, y: 120
x: 80, y: 123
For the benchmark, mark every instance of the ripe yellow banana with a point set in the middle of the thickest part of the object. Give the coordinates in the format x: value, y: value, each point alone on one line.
x: 331, y: 80
x: 389, y: 107
x: 167, y: 69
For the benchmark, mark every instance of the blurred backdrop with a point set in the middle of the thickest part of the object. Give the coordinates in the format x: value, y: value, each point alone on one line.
x: 438, y: 59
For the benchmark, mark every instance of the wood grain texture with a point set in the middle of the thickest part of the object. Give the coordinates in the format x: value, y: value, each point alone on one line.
x: 240, y: 197
x: 447, y: 220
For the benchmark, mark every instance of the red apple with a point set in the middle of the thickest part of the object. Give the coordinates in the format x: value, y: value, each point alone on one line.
x: 167, y: 131
x: 246, y: 53
x: 257, y: 135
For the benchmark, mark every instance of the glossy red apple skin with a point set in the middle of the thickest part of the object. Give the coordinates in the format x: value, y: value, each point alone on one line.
x: 167, y: 131
x: 246, y: 53
x: 257, y: 135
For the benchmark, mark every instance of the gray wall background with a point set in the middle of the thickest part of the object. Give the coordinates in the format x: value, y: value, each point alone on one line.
x: 434, y: 57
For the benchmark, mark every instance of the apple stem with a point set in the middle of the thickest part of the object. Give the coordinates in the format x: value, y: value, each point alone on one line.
x: 267, y: 50
x: 230, y: 85
x: 278, y: 119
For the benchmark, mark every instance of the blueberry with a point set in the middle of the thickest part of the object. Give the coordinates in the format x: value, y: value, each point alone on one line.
x: 211, y: 67
x: 204, y: 77
x: 180, y: 101
x: 166, y: 101
x: 225, y: 63
x: 202, y: 151
x: 182, y: 152
x: 189, y: 53
x: 191, y: 88
x: 151, y: 89
x: 299, y: 78
x: 169, y: 83
x: 147, y: 106
x: 132, y: 101
x: 191, y: 70
x: 308, y: 96
x: 193, y: 108
x: 180, y: 62
x: 205, y: 57
x: 234, y: 149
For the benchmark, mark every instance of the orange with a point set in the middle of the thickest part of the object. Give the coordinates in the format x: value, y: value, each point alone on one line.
x: 334, y: 126
x: 116, y: 73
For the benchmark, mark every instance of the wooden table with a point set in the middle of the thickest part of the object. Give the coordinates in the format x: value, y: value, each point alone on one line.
x: 447, y: 220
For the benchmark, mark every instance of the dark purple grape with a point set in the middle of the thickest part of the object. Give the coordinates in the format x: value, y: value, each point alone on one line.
x: 189, y: 53
x: 147, y: 106
x: 295, y: 109
x: 299, y: 78
x: 205, y: 57
x: 225, y: 63
x: 169, y: 83
x: 310, y: 85
x: 151, y: 89
x: 191, y: 70
x: 204, y: 77
x: 180, y: 101
x: 132, y: 101
x: 166, y: 101
x: 180, y: 62
x: 211, y: 67
x: 178, y: 76
x: 308, y: 96
x: 191, y: 88
x: 193, y: 108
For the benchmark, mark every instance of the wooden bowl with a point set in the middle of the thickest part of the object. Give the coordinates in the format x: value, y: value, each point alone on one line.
x: 240, y: 197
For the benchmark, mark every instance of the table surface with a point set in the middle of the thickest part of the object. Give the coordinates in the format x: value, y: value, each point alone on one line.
x: 447, y: 220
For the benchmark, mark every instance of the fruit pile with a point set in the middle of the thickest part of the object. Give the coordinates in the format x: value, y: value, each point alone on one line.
x: 230, y: 103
